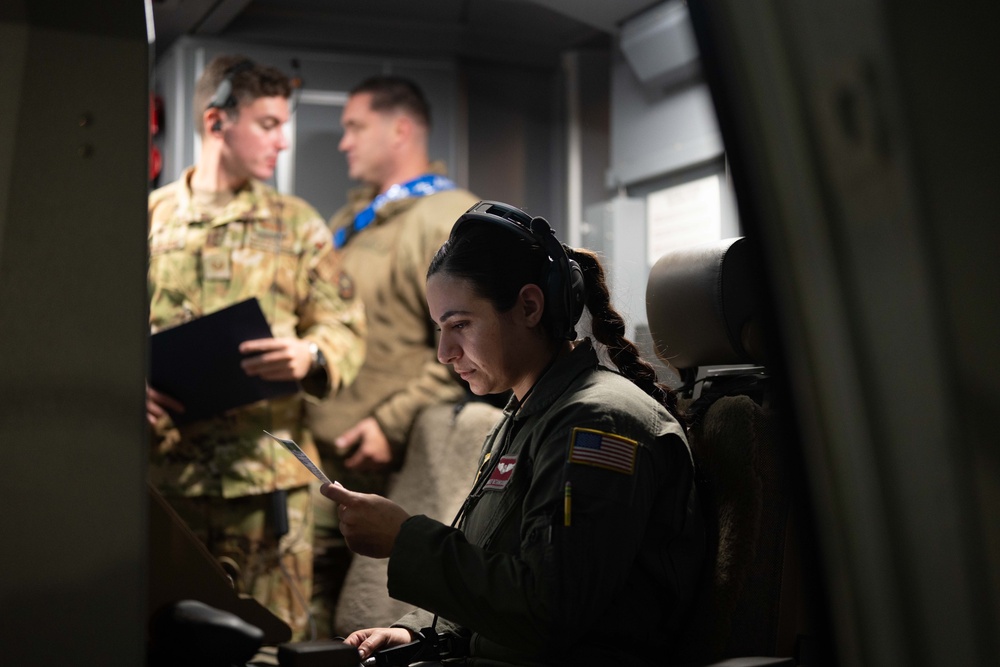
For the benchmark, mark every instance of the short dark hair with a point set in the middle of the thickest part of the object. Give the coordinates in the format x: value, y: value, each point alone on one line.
x: 396, y: 93
x: 250, y: 81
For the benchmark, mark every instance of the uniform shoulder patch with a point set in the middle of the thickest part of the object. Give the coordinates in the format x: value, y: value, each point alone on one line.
x: 345, y: 287
x: 603, y: 450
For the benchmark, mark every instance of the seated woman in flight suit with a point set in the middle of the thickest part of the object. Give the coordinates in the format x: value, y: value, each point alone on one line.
x: 582, y: 539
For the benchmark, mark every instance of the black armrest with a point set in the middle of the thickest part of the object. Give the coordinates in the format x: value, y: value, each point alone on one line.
x: 189, y: 632
x: 747, y: 662
x: 324, y: 653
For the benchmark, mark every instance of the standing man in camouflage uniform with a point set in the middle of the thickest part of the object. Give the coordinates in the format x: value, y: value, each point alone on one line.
x: 390, y: 228
x: 218, y: 236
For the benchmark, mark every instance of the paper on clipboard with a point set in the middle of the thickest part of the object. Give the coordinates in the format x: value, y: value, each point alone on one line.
x: 302, y: 457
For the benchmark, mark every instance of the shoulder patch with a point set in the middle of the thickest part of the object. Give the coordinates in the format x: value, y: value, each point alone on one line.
x: 345, y: 287
x: 328, y: 268
x: 603, y: 450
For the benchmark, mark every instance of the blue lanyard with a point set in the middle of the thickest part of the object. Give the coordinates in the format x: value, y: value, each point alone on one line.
x: 421, y: 186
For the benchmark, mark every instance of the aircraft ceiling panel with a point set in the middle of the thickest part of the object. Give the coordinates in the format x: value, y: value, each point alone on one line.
x: 603, y: 14
x: 514, y: 31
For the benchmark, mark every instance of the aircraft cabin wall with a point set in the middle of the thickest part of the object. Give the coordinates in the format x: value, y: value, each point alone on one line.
x: 667, y: 171
x: 73, y: 170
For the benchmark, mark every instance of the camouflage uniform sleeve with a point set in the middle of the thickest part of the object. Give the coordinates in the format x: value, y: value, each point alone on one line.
x: 330, y: 314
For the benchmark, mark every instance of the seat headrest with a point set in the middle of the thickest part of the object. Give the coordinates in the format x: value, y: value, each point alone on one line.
x: 703, y: 305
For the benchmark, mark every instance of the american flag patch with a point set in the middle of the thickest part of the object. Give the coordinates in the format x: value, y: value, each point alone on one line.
x: 604, y: 450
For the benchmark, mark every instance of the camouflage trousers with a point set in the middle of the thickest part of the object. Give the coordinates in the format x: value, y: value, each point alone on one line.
x: 240, y: 533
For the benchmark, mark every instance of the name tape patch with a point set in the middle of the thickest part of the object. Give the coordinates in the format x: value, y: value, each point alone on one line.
x: 501, y: 474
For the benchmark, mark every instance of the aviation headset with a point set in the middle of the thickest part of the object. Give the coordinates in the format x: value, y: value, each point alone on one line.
x: 223, y: 97
x: 563, y: 284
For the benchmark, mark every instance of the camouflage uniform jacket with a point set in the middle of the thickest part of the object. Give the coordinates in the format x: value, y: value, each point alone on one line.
x: 274, y: 247
x: 389, y: 260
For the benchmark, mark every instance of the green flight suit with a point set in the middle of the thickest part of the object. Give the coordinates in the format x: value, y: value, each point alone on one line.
x: 583, y: 541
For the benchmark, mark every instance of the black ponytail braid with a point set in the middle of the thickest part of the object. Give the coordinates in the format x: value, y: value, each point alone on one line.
x: 608, y: 328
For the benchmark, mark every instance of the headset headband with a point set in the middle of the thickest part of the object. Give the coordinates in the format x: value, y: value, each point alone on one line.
x: 563, y: 284
x: 223, y: 97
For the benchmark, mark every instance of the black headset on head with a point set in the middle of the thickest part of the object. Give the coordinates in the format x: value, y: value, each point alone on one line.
x: 563, y: 284
x: 223, y: 97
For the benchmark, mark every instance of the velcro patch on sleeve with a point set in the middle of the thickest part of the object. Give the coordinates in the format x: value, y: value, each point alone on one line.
x: 603, y: 450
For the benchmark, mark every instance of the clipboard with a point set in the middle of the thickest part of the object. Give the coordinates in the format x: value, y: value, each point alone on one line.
x: 198, y: 363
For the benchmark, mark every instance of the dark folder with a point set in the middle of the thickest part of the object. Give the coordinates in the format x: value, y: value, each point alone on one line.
x: 198, y: 362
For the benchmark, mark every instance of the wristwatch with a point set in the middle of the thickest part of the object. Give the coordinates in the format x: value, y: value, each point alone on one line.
x: 316, y: 358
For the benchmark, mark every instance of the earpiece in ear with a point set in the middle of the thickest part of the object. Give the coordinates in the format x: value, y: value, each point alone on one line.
x: 217, y: 126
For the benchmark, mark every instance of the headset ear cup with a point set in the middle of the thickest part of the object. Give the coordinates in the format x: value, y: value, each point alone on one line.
x: 573, y: 296
x: 565, y: 295
x: 565, y: 290
x: 555, y: 299
x: 577, y: 292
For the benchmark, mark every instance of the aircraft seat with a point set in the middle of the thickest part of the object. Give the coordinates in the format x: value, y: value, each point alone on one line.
x: 704, y: 315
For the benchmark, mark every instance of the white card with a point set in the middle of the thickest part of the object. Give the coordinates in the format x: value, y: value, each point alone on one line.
x: 301, y: 456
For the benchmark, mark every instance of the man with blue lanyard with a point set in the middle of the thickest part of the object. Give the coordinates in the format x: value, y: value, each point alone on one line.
x: 387, y: 233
